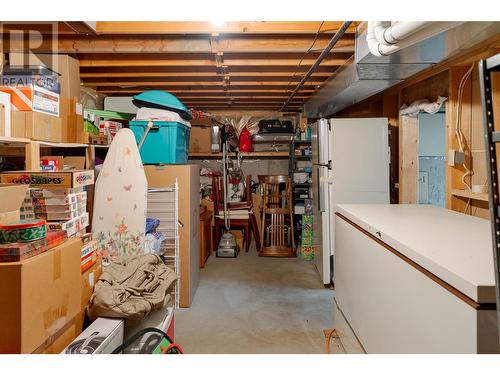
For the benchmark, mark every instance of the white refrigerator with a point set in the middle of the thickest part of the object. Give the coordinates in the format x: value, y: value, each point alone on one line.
x: 350, y: 165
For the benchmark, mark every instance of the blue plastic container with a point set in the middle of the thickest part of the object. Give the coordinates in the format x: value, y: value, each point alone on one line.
x: 166, y: 142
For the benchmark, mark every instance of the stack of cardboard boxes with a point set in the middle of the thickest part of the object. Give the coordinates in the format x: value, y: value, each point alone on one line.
x: 57, y: 197
x: 51, y: 114
x: 46, y: 305
x: 44, y: 296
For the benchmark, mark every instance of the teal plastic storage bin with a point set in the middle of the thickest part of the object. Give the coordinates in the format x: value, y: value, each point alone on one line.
x: 166, y: 142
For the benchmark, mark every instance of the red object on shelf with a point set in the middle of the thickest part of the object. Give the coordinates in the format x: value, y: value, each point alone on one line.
x: 245, y: 141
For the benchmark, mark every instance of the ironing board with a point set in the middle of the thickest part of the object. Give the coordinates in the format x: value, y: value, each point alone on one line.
x: 120, y: 201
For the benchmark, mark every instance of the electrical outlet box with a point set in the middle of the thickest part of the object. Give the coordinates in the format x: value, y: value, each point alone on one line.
x: 455, y: 157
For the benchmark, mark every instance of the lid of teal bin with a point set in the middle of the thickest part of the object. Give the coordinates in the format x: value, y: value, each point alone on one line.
x: 163, y: 100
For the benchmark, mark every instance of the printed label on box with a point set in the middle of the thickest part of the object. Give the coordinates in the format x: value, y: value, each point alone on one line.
x: 45, y: 101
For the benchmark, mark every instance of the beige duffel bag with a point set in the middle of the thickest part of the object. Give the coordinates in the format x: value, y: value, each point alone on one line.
x: 131, y: 287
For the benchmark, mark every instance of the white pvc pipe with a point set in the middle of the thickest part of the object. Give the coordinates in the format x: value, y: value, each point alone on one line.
x: 396, y: 32
x: 414, y: 32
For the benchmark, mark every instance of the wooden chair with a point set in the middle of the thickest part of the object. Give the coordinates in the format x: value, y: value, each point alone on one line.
x: 241, y: 214
x: 277, y: 233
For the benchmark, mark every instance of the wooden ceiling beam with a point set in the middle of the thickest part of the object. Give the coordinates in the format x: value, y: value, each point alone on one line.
x: 216, y: 87
x: 195, y: 83
x: 206, y: 68
x: 145, y: 61
x: 248, y: 97
x: 216, y: 94
x: 201, y: 75
x: 69, y: 44
x: 240, y: 27
x: 249, y: 104
x: 177, y: 91
x: 237, y: 100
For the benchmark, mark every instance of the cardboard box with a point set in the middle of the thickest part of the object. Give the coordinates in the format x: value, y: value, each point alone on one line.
x: 18, y: 124
x: 89, y: 278
x: 39, y: 297
x: 5, y: 117
x: 70, y: 111
x: 50, y: 180
x: 59, y: 193
x: 56, y: 200
x: 200, y: 139
x: 89, y: 255
x: 64, y: 215
x: 70, y: 120
x: 42, y: 127
x: 37, y: 126
x: 60, y: 163
x: 51, y: 163
x: 188, y: 178
x: 76, y: 162
x: 33, y: 98
x: 204, y: 121
x: 67, y: 67
x: 12, y: 197
x: 110, y: 330
x: 16, y: 252
x: 72, y: 227
x: 64, y: 337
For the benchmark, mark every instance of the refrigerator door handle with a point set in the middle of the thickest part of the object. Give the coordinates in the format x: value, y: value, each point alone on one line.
x: 327, y: 165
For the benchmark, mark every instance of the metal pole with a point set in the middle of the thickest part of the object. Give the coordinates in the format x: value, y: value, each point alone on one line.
x: 339, y: 34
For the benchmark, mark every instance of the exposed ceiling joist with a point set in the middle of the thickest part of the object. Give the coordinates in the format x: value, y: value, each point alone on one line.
x: 241, y: 27
x: 192, y: 83
x: 263, y: 76
x: 70, y: 44
x: 120, y: 61
x: 240, y: 65
x: 201, y: 92
x: 290, y: 69
x: 81, y: 27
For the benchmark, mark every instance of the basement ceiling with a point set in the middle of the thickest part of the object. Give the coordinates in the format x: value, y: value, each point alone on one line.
x: 240, y: 65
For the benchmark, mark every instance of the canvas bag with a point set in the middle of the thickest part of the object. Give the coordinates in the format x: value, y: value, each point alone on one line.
x: 131, y: 288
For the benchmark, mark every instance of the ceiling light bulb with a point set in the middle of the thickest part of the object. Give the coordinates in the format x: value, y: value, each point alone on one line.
x: 218, y: 23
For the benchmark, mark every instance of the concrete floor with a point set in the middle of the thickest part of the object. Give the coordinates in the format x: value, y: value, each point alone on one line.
x: 256, y: 305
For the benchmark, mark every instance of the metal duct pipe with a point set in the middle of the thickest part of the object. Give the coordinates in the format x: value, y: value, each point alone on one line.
x: 339, y: 34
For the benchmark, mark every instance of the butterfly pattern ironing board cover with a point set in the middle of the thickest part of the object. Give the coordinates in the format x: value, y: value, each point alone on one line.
x: 120, y: 202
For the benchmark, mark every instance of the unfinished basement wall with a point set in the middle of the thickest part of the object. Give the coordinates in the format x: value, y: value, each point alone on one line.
x: 442, y: 79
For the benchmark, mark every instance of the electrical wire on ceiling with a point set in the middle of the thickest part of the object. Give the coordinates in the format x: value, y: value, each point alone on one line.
x: 336, y: 37
x: 316, y: 36
x: 308, y: 50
